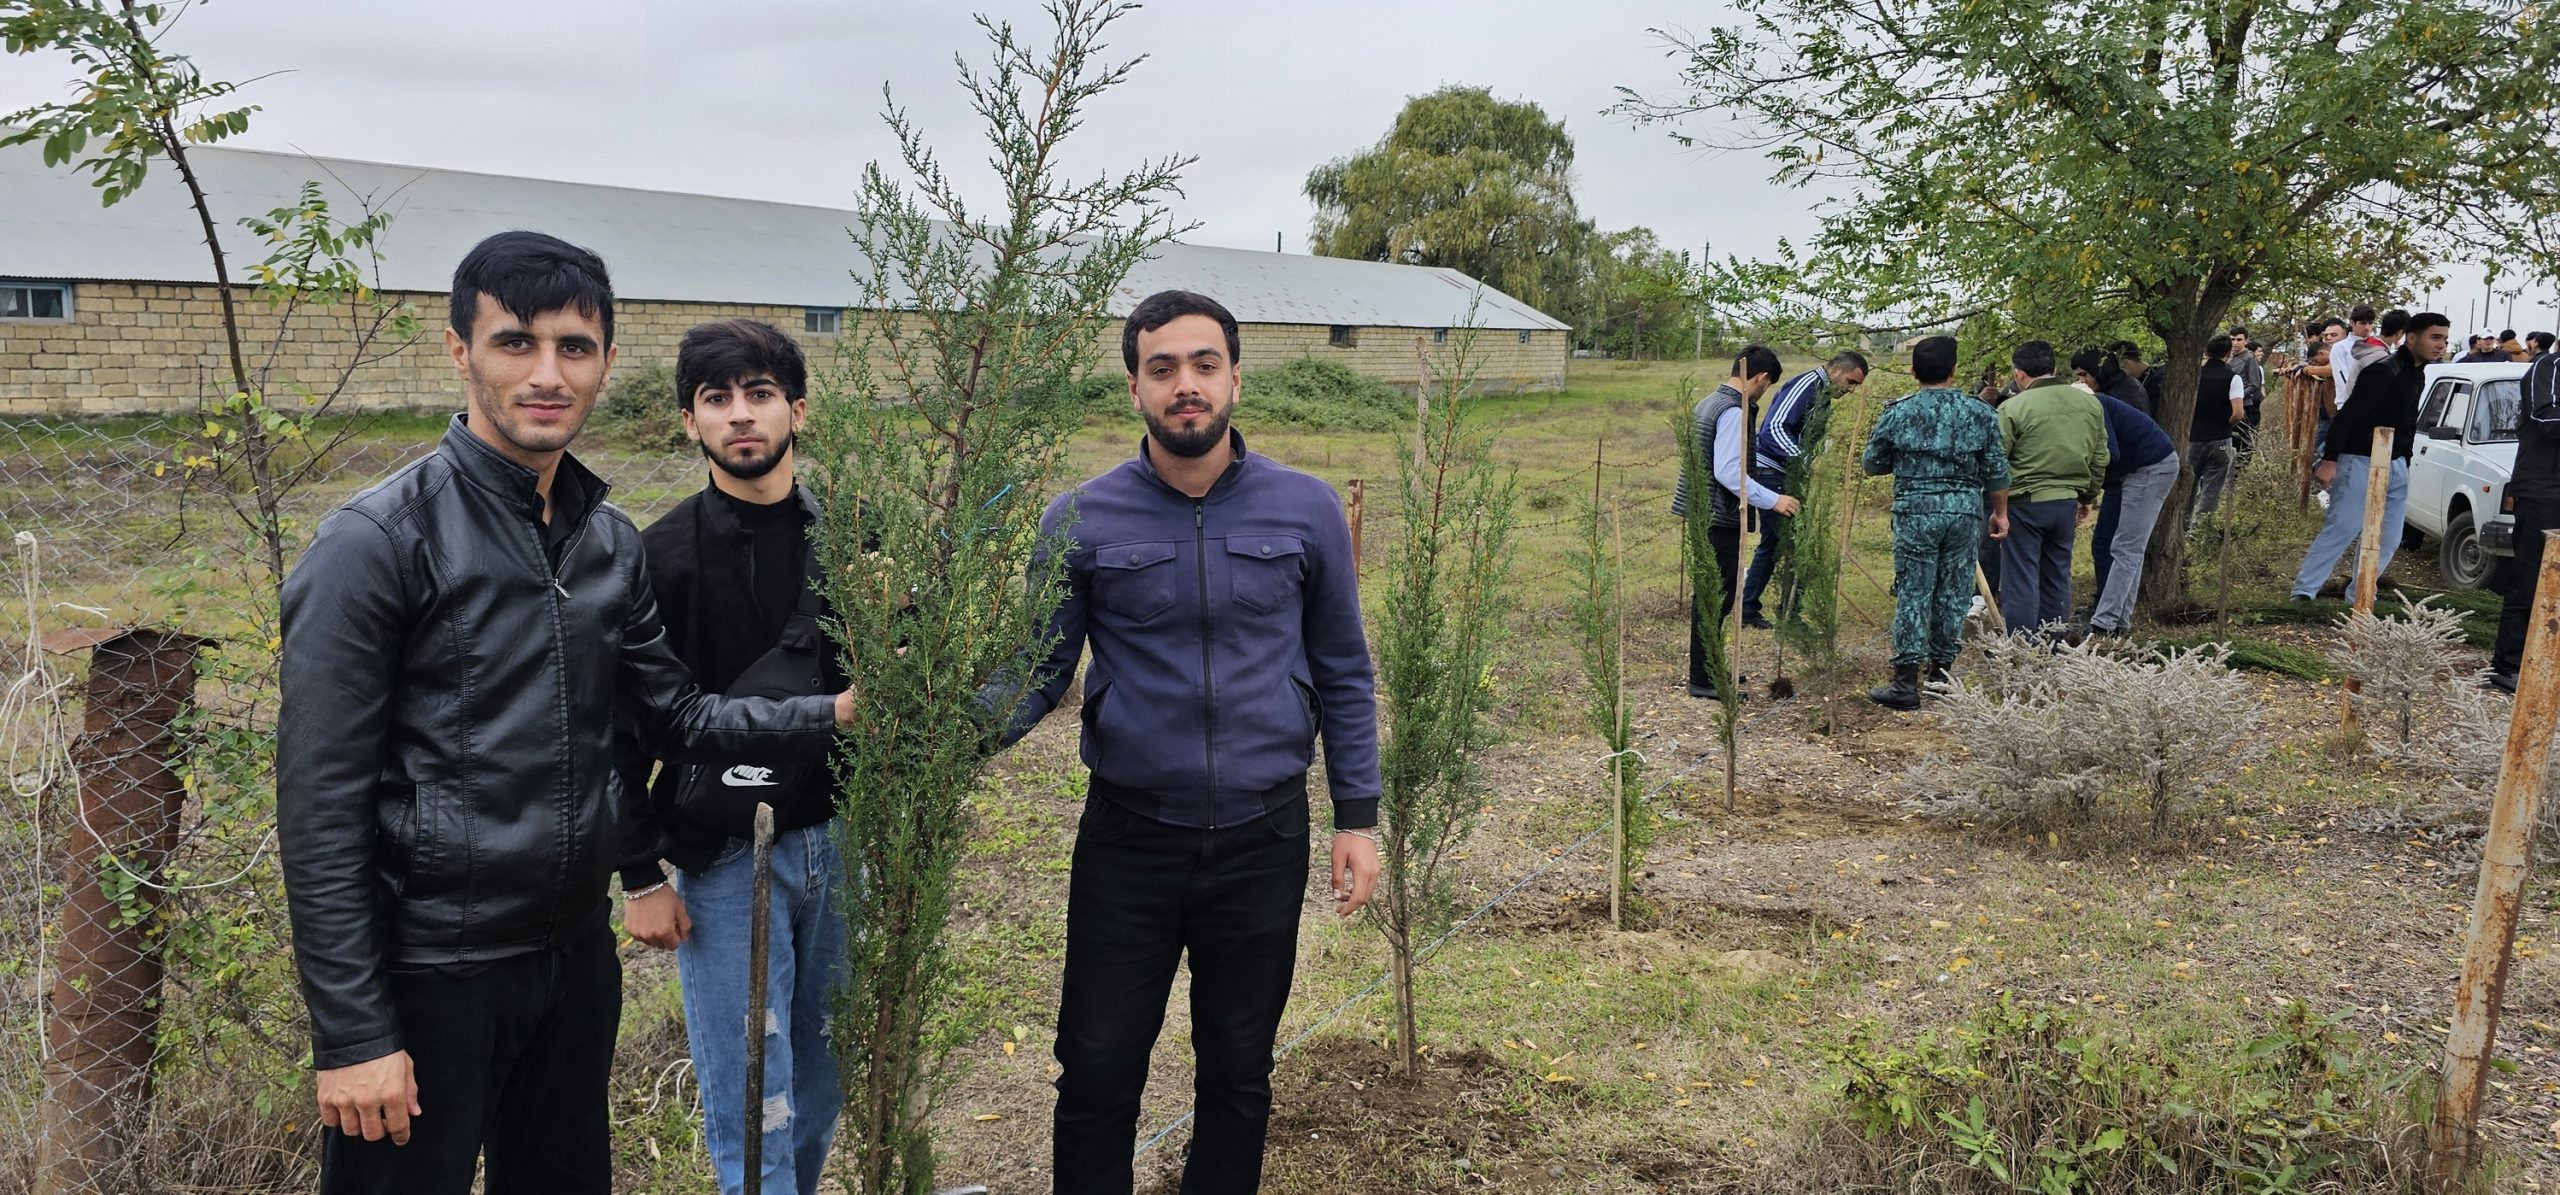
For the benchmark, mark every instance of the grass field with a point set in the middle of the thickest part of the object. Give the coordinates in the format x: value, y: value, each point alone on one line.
x: 1693, y: 1052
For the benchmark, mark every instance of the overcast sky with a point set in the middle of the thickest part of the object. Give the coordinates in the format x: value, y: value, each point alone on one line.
x: 779, y: 99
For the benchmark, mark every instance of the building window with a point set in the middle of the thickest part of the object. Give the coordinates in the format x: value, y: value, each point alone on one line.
x: 47, y: 301
x: 1439, y: 336
x: 1524, y: 336
x: 1342, y: 337
x: 821, y: 321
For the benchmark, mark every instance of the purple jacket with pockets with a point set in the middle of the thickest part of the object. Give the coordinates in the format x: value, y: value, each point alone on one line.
x: 1226, y: 638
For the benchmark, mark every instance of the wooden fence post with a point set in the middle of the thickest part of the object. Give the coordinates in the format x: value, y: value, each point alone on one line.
x: 102, y: 1019
x: 2506, y: 857
x: 2369, y: 554
x: 1359, y: 517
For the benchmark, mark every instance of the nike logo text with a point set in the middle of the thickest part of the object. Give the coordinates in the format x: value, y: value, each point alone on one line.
x: 748, y: 776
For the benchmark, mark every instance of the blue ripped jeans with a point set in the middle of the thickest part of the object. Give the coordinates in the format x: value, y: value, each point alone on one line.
x: 804, y: 964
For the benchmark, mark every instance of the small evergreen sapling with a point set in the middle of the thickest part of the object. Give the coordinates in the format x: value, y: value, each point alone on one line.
x: 1440, y: 623
x: 1600, y: 621
x: 932, y: 451
x: 1706, y: 584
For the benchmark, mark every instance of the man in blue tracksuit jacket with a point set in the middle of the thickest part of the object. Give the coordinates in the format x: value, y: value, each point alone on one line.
x: 1219, y: 596
x: 1773, y: 456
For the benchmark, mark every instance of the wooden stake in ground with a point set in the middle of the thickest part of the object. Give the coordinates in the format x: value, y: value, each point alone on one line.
x: 2368, y: 555
x: 1733, y: 618
x: 2505, y: 858
x: 1618, y: 712
x: 759, y: 956
x: 1990, y: 601
x: 1848, y: 500
x: 1358, y: 517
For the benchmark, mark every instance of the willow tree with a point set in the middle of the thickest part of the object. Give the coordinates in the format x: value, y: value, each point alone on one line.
x: 932, y: 457
x: 1479, y: 185
x: 2162, y: 162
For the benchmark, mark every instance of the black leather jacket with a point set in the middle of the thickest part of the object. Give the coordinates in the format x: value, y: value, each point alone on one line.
x: 443, y: 767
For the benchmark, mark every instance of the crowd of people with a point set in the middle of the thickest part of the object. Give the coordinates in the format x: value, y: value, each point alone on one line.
x: 1992, y: 484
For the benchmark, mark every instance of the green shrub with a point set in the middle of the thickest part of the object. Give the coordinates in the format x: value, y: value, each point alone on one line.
x: 2019, y: 1099
x: 638, y: 411
x: 1324, y: 396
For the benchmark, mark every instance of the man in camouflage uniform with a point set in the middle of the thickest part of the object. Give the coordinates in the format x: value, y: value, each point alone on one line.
x: 1943, y: 447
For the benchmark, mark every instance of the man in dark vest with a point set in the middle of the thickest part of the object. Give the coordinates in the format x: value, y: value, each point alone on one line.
x: 1723, y: 420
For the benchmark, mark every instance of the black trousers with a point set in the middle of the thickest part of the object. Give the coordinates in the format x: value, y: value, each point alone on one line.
x: 1764, y: 555
x: 1727, y: 542
x: 2534, y: 515
x: 511, y: 1056
x: 1141, y: 893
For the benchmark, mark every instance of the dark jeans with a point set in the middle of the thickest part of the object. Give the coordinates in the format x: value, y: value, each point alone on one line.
x: 1728, y: 545
x: 511, y: 1056
x: 1988, y: 554
x: 2035, y: 563
x: 2523, y: 571
x: 2101, y: 558
x: 1140, y: 894
x: 1764, y: 556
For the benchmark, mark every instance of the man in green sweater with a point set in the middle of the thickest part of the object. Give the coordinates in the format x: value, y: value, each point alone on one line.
x: 2056, y: 437
x: 1942, y: 446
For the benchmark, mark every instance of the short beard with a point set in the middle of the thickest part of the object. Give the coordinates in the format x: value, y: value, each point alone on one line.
x: 1189, y: 444
x: 754, y: 467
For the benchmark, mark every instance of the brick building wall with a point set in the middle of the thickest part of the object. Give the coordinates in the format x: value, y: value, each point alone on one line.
x: 147, y: 348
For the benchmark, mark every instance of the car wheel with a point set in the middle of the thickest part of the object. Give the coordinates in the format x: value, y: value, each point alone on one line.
x: 2460, y: 558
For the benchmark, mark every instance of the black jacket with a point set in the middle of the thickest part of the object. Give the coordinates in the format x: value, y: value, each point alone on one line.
x: 2386, y: 395
x: 702, y: 565
x: 451, y: 675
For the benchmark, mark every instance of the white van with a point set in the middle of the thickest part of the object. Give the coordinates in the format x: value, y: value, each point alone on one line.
x: 2458, y: 469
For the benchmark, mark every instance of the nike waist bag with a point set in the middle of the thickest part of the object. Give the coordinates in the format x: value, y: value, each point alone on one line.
x: 716, y: 799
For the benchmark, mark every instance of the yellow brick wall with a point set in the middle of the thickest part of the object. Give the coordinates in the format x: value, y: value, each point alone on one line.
x: 146, y: 348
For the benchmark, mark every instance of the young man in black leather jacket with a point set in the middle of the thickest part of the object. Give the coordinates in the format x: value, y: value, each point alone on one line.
x: 458, y: 640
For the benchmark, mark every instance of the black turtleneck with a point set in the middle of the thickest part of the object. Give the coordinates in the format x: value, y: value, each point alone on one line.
x: 742, y: 614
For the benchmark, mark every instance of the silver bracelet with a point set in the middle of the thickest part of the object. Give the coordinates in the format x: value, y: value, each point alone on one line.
x: 1364, y: 832
x: 645, y: 891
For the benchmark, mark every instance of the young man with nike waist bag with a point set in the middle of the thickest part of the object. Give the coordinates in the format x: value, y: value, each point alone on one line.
x: 732, y: 566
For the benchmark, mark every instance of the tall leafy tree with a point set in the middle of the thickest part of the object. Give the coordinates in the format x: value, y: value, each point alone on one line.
x: 2166, y: 162
x: 932, y: 456
x: 1463, y: 180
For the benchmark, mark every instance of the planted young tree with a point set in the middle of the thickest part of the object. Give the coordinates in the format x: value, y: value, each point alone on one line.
x: 932, y: 452
x: 1822, y: 479
x: 1706, y: 587
x: 2162, y: 163
x: 1600, y: 621
x: 1440, y: 621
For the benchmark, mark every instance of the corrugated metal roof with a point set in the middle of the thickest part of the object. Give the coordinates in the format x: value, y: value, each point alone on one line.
x: 659, y: 244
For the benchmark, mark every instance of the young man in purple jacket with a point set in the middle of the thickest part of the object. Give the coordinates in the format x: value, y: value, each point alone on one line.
x: 1218, y: 594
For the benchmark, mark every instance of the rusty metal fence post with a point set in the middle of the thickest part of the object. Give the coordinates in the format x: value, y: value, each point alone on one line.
x: 2506, y: 856
x: 104, y: 1005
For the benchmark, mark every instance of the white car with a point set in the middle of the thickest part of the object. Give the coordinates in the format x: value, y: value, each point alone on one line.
x: 2459, y: 467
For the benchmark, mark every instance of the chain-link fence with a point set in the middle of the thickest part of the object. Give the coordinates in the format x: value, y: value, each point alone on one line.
x: 150, y: 1031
